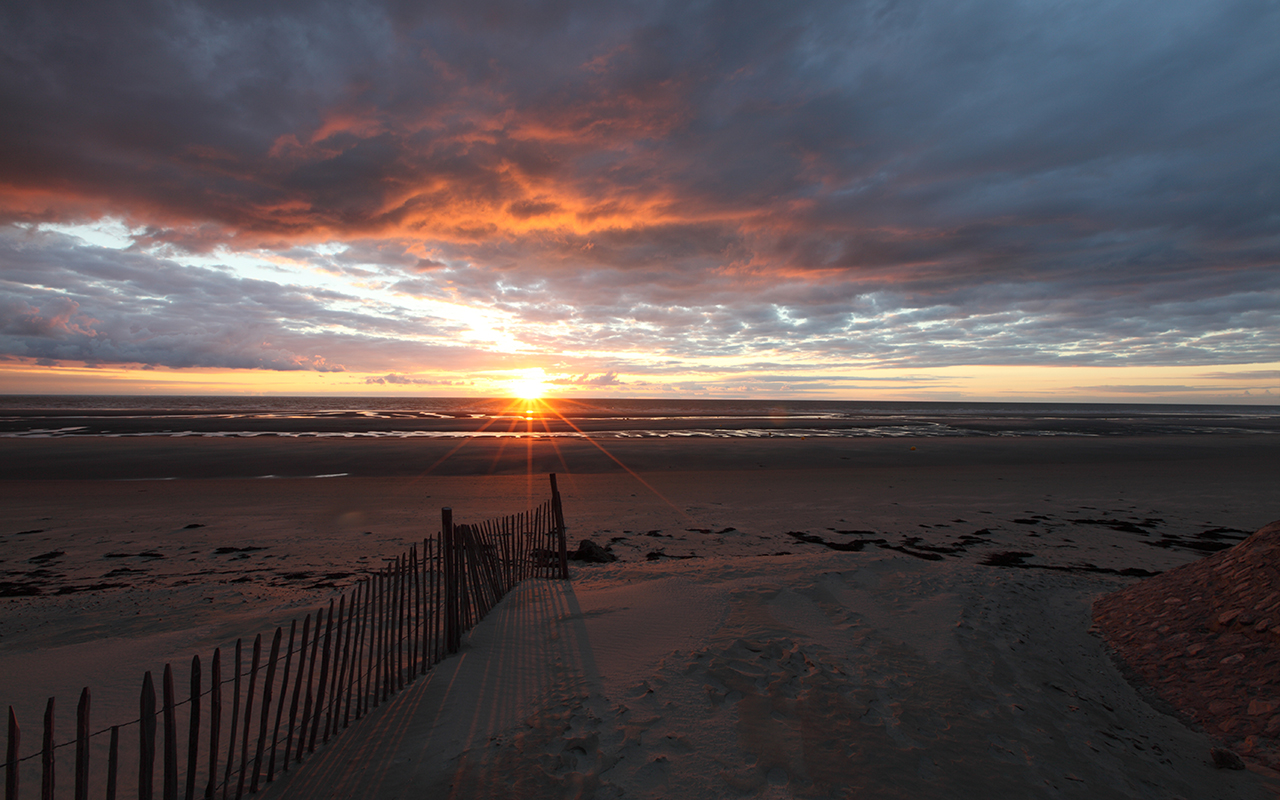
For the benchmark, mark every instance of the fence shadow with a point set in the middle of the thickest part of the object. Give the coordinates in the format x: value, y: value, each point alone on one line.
x: 429, y: 740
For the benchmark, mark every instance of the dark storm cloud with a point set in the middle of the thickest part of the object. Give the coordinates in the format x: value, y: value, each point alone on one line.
x: 922, y: 183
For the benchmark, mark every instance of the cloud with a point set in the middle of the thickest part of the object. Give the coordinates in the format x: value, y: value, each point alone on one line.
x: 603, y: 379
x: 1245, y: 375
x: 405, y: 380
x: 914, y: 184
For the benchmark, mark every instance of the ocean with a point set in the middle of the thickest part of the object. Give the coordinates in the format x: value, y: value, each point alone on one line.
x: 53, y: 416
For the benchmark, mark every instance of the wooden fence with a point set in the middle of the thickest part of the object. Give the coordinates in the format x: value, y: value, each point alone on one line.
x: 349, y: 657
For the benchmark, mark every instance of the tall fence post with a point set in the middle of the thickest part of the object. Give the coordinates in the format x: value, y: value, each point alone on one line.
x: 558, y: 510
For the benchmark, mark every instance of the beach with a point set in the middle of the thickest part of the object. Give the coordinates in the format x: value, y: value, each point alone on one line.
x: 731, y: 651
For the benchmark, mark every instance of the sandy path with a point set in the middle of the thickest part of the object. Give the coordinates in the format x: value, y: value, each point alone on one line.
x: 809, y: 676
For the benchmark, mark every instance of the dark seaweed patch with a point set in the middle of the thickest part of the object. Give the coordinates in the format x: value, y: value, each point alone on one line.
x: 18, y: 589
x: 1006, y: 558
x: 94, y: 587
x: 846, y: 547
x: 918, y: 554
x: 1116, y: 525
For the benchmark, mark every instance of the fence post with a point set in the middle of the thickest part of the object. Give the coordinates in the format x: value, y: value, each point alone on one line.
x: 146, y: 737
x: 356, y: 684
x: 170, y: 736
x: 297, y: 691
x: 311, y: 673
x: 284, y: 691
x: 266, y: 709
x: 248, y: 716
x: 11, y: 758
x: 335, y: 687
x: 46, y: 754
x: 415, y: 613
x: 560, y: 530
x: 193, y: 730
x: 324, y: 677
x: 113, y: 762
x: 398, y: 684
x: 452, y: 639
x: 235, y: 722
x: 82, y: 746
x: 215, y: 720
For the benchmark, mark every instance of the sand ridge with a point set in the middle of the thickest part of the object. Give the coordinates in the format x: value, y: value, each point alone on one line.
x: 1206, y: 637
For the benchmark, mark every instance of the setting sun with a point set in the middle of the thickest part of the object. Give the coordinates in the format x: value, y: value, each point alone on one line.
x: 531, y: 385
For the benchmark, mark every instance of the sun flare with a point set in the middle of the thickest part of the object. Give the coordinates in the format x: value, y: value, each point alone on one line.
x: 531, y: 385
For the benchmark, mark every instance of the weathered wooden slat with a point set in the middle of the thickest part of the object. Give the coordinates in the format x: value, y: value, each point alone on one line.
x: 267, y: 686
x: 170, y: 783
x: 297, y: 691
x: 324, y: 679
x: 11, y: 782
x: 383, y: 689
x: 450, y: 592
x: 284, y: 693
x: 342, y: 704
x: 400, y: 609
x: 375, y: 676
x: 305, y: 723
x: 235, y: 722
x: 248, y: 716
x: 46, y: 754
x: 113, y: 762
x: 193, y: 730
x: 414, y: 615
x: 428, y: 598
x: 389, y: 642
x: 355, y: 682
x: 215, y: 721
x: 82, y: 746
x: 146, y: 738
x: 335, y: 673
x: 428, y: 606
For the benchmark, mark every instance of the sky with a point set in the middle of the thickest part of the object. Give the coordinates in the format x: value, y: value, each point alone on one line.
x: 916, y: 200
